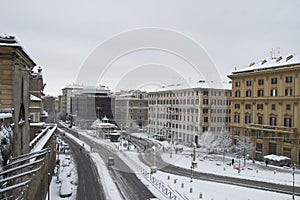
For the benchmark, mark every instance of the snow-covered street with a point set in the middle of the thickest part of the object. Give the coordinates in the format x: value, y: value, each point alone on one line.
x: 181, y: 186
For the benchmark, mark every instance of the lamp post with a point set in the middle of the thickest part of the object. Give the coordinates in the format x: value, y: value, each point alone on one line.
x: 191, y: 173
x: 293, y: 173
x: 48, y: 185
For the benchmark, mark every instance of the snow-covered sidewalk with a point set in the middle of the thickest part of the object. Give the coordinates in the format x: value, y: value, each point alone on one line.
x: 198, y: 189
x: 253, y: 172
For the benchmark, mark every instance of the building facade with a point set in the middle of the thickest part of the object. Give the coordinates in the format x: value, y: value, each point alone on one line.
x: 91, y: 103
x: 131, y: 110
x: 16, y: 66
x: 67, y: 94
x: 184, y: 113
x: 20, y: 105
x: 265, y: 107
x: 36, y: 107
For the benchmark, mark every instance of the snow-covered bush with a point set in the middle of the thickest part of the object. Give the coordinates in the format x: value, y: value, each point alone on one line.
x: 6, y: 134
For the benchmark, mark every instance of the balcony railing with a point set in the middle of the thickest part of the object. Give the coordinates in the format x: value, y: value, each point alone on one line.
x: 279, y: 129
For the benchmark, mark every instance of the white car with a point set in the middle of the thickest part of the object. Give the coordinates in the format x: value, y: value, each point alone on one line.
x: 65, y: 188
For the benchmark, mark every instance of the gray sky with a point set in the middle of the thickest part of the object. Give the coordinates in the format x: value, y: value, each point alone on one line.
x: 60, y: 35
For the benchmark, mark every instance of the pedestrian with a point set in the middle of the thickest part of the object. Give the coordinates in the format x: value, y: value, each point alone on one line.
x: 232, y: 161
x: 267, y: 162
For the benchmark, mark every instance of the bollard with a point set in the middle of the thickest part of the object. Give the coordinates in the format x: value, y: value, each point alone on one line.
x: 224, y: 169
x: 182, y: 185
x: 274, y: 171
x: 168, y: 177
x: 257, y: 171
x: 200, y: 196
x: 191, y: 190
x: 175, y: 181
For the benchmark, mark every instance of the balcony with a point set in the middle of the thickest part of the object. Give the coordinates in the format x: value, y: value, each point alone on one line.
x: 270, y: 128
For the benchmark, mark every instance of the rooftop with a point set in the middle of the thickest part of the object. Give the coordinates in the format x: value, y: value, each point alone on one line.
x: 270, y: 64
x: 10, y: 41
x: 202, y: 84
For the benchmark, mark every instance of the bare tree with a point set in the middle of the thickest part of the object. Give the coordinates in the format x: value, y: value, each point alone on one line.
x: 243, y: 147
x: 207, y: 141
x: 223, y: 142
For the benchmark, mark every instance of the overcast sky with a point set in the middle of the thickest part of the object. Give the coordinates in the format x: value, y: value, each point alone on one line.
x: 60, y: 35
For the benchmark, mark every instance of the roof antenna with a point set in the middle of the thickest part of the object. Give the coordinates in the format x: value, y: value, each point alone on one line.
x: 275, y: 53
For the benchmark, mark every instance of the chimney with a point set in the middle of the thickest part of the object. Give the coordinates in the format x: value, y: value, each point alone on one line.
x: 263, y: 62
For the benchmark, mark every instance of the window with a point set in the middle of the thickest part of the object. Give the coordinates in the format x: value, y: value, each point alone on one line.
x: 273, y: 80
x: 205, y: 93
x: 288, y: 79
x: 205, y: 101
x: 287, y: 122
x: 248, y: 82
x: 247, y: 119
x: 237, y: 93
x: 273, y: 92
x: 273, y: 121
x: 273, y: 106
x: 260, y: 93
x: 248, y: 106
x: 260, y: 106
x: 287, y: 139
x: 205, y: 119
x: 220, y: 102
x: 288, y: 92
x: 205, y: 129
x: 248, y: 93
x: 205, y: 110
x: 259, y: 147
x: 237, y: 118
x: 259, y: 135
x: 237, y: 83
x: 288, y: 106
x: 236, y: 132
x: 237, y: 106
x: 260, y: 120
x: 260, y: 81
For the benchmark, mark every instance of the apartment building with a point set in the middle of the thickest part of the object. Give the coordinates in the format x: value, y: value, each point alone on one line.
x: 184, y: 112
x: 131, y: 110
x: 265, y: 106
x: 67, y: 94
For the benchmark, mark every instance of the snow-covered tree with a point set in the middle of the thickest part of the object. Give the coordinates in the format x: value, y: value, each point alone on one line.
x: 223, y: 142
x: 207, y: 141
x: 243, y: 147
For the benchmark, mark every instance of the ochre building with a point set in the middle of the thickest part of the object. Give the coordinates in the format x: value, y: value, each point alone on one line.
x: 265, y: 106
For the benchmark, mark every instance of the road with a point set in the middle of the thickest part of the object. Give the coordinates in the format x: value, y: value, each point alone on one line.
x: 129, y: 185
x: 89, y: 186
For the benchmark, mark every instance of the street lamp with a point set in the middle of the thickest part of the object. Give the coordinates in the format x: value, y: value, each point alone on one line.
x: 293, y: 173
x: 191, y: 173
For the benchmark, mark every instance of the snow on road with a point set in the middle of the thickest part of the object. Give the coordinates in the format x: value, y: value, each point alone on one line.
x: 109, y: 185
